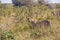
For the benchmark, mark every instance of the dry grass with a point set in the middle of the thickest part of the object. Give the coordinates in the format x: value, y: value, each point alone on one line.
x: 15, y: 26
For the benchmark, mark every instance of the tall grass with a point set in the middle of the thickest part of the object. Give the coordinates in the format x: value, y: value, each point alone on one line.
x: 15, y: 25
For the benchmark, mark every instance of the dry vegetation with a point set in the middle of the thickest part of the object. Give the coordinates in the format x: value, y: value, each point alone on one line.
x: 15, y: 25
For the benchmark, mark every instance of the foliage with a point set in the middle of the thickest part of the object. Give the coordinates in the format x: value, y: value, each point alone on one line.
x: 7, y: 36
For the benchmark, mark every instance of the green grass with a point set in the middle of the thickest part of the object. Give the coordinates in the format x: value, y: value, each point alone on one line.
x: 16, y: 26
